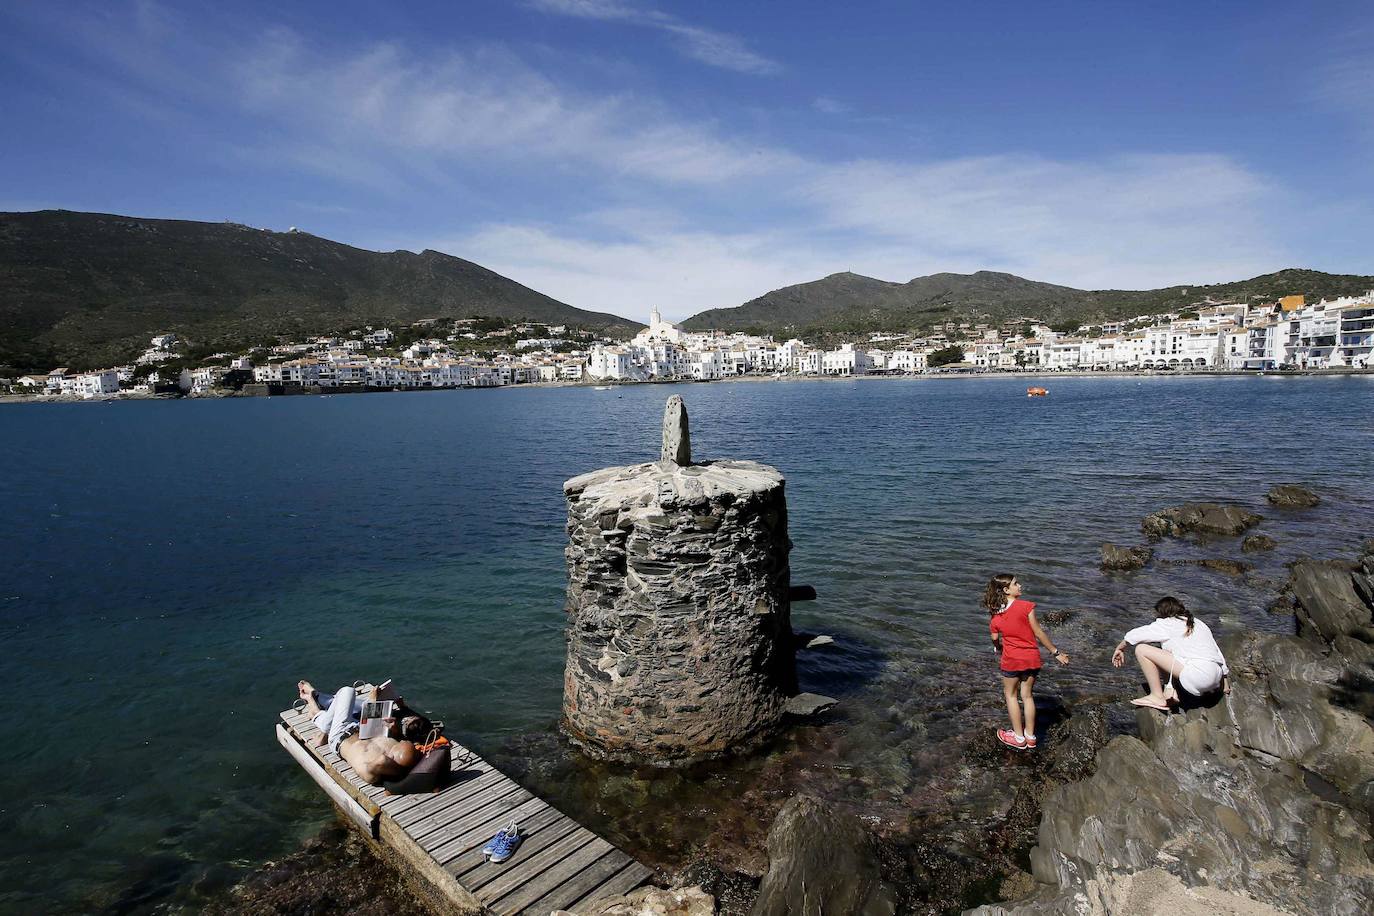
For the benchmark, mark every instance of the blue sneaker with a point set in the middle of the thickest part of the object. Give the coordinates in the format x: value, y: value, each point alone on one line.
x: 491, y: 843
x: 504, y: 843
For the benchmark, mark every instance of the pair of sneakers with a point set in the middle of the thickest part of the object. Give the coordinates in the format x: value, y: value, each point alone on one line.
x: 1012, y: 740
x: 500, y: 847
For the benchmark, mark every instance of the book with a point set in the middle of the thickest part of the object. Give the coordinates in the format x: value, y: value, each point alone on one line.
x: 372, y: 719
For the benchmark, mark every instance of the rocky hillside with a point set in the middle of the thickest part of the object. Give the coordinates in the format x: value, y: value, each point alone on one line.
x: 83, y: 289
x: 848, y: 302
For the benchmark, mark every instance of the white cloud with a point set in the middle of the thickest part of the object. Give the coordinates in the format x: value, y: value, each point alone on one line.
x: 687, y: 216
x: 718, y: 49
x: 827, y: 105
x: 681, y: 272
x: 1123, y: 221
x: 483, y: 101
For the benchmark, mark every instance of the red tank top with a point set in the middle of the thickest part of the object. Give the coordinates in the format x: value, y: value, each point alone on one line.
x: 1019, y: 649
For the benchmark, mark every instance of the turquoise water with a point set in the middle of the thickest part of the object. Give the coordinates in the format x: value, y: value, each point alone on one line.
x: 171, y: 568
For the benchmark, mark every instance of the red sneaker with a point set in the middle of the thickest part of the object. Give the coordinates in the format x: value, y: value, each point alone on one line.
x: 1030, y: 741
x: 1011, y: 739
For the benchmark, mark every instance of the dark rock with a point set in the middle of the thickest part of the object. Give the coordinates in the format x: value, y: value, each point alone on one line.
x: 1201, y: 519
x: 334, y: 873
x: 1257, y: 542
x: 1292, y: 496
x: 1224, y: 565
x: 1328, y: 605
x: 821, y: 860
x: 735, y: 893
x: 1125, y: 558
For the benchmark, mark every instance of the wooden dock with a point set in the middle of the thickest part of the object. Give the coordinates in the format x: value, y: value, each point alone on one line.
x: 438, y: 837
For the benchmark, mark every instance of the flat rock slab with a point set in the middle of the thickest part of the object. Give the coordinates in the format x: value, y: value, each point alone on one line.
x: 809, y: 704
x: 668, y: 485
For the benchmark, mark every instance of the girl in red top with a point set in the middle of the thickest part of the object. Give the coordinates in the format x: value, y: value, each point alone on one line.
x: 1015, y: 632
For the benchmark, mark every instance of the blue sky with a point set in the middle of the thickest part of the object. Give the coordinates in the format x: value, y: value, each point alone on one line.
x: 619, y: 154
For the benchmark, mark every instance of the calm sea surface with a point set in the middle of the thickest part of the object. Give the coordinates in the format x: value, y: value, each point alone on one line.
x: 169, y: 569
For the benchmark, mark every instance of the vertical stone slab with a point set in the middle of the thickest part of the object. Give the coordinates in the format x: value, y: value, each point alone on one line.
x: 677, y: 438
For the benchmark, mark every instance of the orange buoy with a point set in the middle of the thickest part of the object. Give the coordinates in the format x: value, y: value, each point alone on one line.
x: 1037, y: 392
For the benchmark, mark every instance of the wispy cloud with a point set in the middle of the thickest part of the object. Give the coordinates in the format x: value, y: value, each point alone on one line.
x: 718, y: 49
x: 616, y: 201
x: 828, y: 105
x: 1345, y: 80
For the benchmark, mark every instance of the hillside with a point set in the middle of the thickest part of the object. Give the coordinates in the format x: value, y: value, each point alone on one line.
x: 848, y: 302
x: 88, y: 289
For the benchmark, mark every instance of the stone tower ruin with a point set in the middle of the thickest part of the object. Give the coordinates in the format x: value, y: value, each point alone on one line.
x: 679, y: 632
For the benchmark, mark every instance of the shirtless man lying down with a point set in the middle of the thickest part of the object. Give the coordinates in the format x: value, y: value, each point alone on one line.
x: 336, y: 716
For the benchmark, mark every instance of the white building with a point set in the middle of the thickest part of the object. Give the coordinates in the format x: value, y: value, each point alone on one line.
x: 609, y: 363
x: 845, y: 361
x: 96, y: 384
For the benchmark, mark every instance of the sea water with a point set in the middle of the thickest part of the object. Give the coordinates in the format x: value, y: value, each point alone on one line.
x: 168, y: 570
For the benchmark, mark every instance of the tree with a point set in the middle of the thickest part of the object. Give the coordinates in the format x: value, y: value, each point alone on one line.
x: 945, y: 356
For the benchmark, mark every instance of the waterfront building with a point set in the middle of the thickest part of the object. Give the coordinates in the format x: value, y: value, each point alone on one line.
x: 94, y: 384
x: 847, y: 360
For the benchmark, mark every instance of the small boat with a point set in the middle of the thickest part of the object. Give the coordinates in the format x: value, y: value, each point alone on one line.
x: 1036, y: 391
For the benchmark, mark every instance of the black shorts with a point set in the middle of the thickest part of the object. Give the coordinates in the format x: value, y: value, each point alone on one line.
x: 1029, y: 672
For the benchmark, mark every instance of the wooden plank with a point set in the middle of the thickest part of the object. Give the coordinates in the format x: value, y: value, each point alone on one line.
x: 433, y: 801
x: 507, y: 795
x: 484, y: 872
x: 446, y: 847
x: 541, y: 822
x: 622, y: 883
x: 458, y: 779
x: 550, y: 876
x: 521, y: 871
x: 359, y: 815
x: 570, y: 891
x: 459, y: 798
x: 501, y: 807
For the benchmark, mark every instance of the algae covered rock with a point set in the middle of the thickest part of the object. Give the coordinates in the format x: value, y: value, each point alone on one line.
x: 1125, y: 559
x: 1200, y: 519
x: 821, y: 860
x: 1292, y: 496
x: 1256, y: 542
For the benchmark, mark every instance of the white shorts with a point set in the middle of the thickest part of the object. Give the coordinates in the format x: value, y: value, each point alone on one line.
x: 1199, y: 677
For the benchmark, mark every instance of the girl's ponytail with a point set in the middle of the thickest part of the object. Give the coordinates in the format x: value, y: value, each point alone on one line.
x: 995, y: 595
x: 1171, y: 607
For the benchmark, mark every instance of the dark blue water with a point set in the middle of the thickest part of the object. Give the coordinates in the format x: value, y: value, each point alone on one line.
x: 171, y: 568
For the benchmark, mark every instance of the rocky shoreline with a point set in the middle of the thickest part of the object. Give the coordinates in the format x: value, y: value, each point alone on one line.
x: 1256, y: 805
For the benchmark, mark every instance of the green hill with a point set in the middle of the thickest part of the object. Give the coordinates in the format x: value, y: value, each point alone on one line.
x: 849, y: 303
x: 89, y: 289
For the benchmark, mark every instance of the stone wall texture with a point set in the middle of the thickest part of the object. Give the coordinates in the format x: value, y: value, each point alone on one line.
x: 679, y: 632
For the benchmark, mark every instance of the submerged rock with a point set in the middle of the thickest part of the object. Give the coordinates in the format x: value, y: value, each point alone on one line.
x: 1125, y: 559
x: 821, y: 860
x: 1292, y: 496
x: 1202, y: 519
x: 1224, y: 565
x: 1257, y: 542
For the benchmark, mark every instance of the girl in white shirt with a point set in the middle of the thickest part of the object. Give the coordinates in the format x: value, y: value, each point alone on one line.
x: 1188, y: 653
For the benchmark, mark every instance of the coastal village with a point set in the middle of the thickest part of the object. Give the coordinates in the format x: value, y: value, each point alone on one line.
x: 1290, y: 333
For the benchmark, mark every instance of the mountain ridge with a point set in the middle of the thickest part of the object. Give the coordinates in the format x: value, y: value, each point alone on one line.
x: 88, y: 289
x: 850, y: 302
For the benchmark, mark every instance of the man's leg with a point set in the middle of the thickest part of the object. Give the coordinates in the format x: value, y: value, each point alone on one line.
x: 337, y: 721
